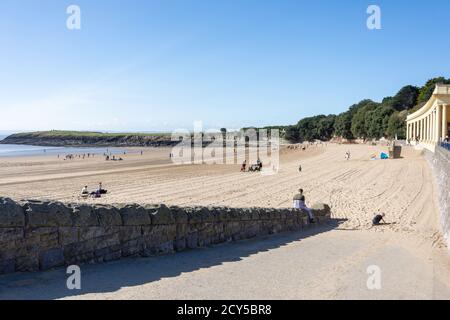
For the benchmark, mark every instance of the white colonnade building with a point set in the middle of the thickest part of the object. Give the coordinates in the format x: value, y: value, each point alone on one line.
x: 430, y: 124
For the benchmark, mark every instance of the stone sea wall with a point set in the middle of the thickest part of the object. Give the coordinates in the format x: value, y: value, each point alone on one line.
x: 440, y: 163
x: 39, y: 235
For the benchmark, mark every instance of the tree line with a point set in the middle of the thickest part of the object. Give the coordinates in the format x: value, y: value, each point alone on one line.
x: 366, y: 119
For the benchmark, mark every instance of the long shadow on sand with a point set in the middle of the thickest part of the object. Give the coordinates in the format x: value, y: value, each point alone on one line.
x: 110, y: 277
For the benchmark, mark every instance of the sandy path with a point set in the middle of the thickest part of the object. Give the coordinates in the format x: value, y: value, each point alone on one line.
x: 329, y: 264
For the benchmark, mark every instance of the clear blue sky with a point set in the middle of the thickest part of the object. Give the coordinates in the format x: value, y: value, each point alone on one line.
x: 161, y: 64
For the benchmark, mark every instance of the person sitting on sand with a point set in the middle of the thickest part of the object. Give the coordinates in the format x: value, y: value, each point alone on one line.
x: 299, y: 203
x: 100, y: 189
x: 84, y: 191
x: 376, y: 221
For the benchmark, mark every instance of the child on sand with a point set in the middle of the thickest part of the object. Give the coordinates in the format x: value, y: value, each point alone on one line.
x: 376, y: 221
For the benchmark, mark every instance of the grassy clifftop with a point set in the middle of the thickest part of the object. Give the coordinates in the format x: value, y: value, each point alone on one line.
x: 88, y: 138
x: 69, y: 134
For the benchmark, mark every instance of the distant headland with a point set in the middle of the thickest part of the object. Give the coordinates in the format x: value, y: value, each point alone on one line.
x: 56, y: 138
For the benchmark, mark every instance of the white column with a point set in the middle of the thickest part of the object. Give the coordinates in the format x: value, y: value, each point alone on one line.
x: 444, y: 120
x: 422, y: 131
x: 416, y: 129
x: 438, y: 123
x: 433, y: 127
x: 430, y: 122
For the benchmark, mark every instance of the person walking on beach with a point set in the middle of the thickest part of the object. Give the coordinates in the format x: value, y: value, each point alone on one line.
x: 299, y: 203
x: 347, y: 155
x: 244, y: 165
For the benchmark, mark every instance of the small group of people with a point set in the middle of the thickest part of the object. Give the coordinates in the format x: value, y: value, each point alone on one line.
x: 113, y: 158
x: 95, y: 194
x: 254, y: 167
x: 79, y: 156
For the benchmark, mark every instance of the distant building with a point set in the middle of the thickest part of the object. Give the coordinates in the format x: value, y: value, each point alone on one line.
x: 430, y: 124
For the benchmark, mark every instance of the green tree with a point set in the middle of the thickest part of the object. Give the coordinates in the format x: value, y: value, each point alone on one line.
x: 397, y: 125
x: 343, y: 125
x: 406, y: 98
x: 376, y: 121
x: 291, y: 134
x: 358, y: 126
x: 325, y: 127
x: 427, y: 90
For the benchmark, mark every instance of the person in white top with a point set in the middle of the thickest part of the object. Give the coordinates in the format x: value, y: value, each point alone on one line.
x: 299, y: 203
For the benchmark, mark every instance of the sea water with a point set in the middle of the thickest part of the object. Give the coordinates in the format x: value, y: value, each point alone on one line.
x: 15, y: 150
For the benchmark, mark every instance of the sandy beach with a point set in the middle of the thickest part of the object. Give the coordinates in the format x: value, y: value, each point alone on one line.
x: 335, y: 259
x: 354, y: 189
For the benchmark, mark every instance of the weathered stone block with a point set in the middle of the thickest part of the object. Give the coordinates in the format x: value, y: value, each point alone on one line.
x: 129, y: 233
x: 7, y: 266
x: 321, y: 210
x: 157, y: 234
x: 87, y: 233
x: 11, y: 214
x: 194, y: 215
x: 179, y: 215
x: 132, y: 247
x: 246, y: 214
x: 84, y: 215
x: 133, y: 215
x: 10, y: 234
x: 51, y: 258
x: 160, y: 214
x: 265, y: 214
x: 44, y: 237
x: 116, y: 255
x: 68, y: 235
x: 47, y: 214
x: 192, y: 240
x: 27, y: 263
x: 108, y: 216
x: 225, y: 215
